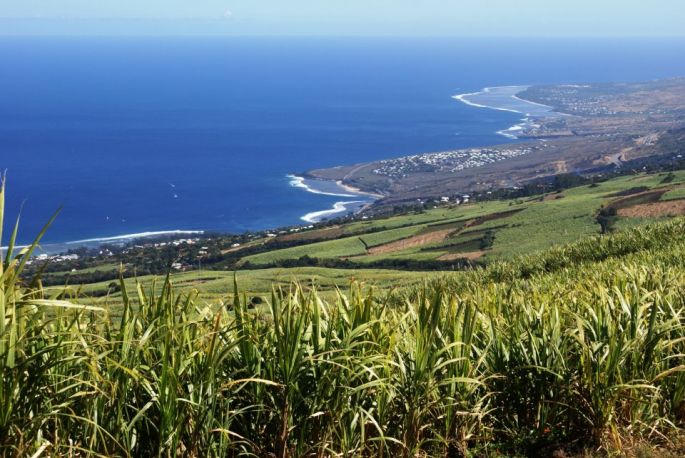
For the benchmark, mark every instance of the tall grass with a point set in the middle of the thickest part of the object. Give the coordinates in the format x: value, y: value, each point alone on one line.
x: 579, y: 346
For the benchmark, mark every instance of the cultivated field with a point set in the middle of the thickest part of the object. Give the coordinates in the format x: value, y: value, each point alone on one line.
x: 577, y: 349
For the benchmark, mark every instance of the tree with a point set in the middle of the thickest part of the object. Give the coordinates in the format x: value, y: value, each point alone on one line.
x: 606, y: 218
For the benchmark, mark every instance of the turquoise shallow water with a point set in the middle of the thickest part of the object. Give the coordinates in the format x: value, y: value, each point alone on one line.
x: 160, y: 134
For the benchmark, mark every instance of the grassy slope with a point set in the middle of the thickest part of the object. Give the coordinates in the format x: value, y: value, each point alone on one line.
x: 539, y: 224
x: 678, y: 193
x: 564, y: 220
x: 351, y: 246
x: 214, y: 286
x: 578, y: 346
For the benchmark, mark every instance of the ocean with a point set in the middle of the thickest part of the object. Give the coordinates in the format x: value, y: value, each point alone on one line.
x: 148, y: 135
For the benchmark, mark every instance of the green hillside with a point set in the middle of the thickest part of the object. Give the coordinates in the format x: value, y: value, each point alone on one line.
x: 520, y: 226
x: 573, y: 350
x: 404, y: 249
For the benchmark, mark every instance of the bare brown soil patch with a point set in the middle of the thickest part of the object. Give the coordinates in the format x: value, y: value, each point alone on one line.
x: 471, y: 256
x: 640, y: 198
x: 435, y: 236
x: 648, y: 140
x: 560, y: 167
x: 326, y: 233
x: 614, y: 158
x: 553, y: 197
x: 411, y: 242
x: 655, y: 209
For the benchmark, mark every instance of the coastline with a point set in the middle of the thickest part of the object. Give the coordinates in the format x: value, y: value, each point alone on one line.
x: 464, y: 98
x: 133, y: 236
x: 516, y: 96
x: 332, y: 188
x: 299, y: 181
x: 358, y: 191
x: 61, y: 247
x: 339, y: 188
x: 338, y: 207
x: 500, y: 98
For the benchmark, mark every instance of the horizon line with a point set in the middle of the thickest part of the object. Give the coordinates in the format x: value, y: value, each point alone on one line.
x: 319, y: 35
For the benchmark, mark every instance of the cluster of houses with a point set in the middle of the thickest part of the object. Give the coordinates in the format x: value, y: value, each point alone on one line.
x: 172, y: 243
x: 41, y: 258
x: 449, y: 161
x: 458, y: 199
x: 573, y: 101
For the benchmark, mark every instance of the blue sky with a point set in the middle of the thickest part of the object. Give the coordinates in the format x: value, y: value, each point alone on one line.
x: 475, y: 18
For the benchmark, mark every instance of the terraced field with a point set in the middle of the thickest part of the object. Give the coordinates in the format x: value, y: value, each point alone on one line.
x: 381, y: 251
x: 518, y: 226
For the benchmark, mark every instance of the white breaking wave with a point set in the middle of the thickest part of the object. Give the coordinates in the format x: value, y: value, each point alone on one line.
x: 58, y: 247
x: 298, y: 182
x: 513, y: 131
x: 338, y: 207
x: 16, y: 247
x: 510, y: 132
x: 138, y: 235
x: 462, y: 98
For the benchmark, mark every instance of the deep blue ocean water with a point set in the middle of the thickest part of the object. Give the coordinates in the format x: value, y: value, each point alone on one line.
x: 151, y: 134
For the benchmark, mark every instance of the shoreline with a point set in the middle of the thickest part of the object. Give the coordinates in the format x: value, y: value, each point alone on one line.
x: 463, y: 98
x: 298, y: 181
x: 58, y: 247
x: 62, y: 247
x: 358, y: 191
x: 339, y: 207
x: 133, y: 236
x: 510, y: 132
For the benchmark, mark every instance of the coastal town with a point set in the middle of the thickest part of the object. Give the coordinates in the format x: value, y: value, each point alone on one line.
x: 592, y: 128
x: 451, y: 161
x: 647, y: 99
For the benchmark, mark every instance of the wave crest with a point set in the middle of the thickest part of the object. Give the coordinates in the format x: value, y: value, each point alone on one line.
x: 338, y: 207
x: 138, y: 235
x: 299, y: 182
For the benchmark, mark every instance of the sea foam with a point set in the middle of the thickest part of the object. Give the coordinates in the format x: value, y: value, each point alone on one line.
x: 338, y: 207
x: 299, y: 182
x: 505, y: 98
x: 463, y: 98
x: 138, y: 235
